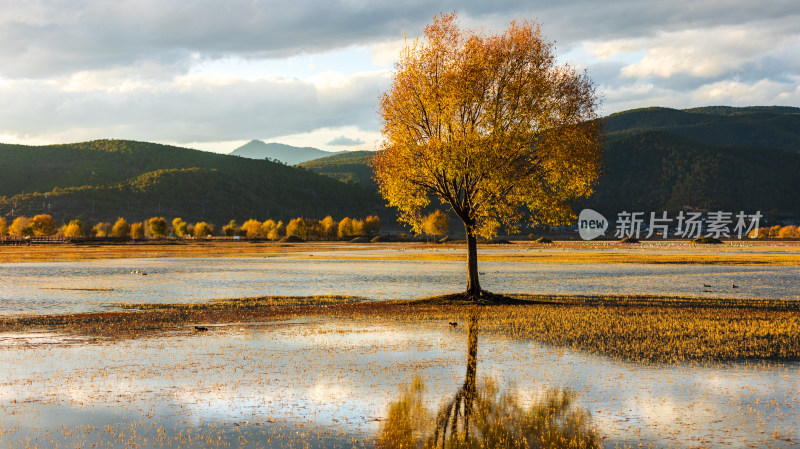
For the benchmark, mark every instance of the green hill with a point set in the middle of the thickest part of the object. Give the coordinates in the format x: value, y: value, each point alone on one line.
x: 350, y: 167
x: 765, y: 127
x: 660, y: 159
x: 103, y: 179
x: 659, y: 171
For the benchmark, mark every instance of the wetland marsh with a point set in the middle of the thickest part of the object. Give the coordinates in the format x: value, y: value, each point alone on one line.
x: 115, y: 360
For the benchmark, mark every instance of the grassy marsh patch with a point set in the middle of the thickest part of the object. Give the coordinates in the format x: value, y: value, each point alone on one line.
x: 638, y: 328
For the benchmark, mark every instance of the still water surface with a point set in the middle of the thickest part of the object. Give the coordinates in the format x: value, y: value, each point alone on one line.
x: 329, y: 382
x: 69, y: 287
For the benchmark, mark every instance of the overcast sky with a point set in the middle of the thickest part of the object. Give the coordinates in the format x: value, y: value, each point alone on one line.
x: 213, y: 74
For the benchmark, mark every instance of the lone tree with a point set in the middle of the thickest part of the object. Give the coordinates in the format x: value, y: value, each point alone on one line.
x: 489, y: 125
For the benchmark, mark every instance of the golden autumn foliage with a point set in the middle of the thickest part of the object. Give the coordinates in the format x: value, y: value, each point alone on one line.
x: 775, y: 232
x: 231, y: 229
x: 43, y: 225
x: 787, y: 232
x: 489, y: 125
x: 372, y: 225
x: 252, y: 228
x: 73, y: 229
x: 102, y: 229
x: 329, y: 227
x: 297, y: 227
x: 137, y: 231
x: 121, y: 228
x: 157, y: 226
x: 180, y: 227
x: 20, y: 227
x: 436, y: 223
x: 345, y: 228
x: 268, y: 229
x: 202, y: 229
x: 3, y: 227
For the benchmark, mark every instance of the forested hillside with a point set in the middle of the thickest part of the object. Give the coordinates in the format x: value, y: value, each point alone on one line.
x: 659, y: 171
x: 103, y: 179
x: 655, y: 159
x: 660, y: 159
x: 759, y: 126
x: 351, y: 167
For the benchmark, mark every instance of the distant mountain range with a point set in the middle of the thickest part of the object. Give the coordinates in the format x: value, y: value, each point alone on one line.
x: 256, y: 149
x: 104, y: 179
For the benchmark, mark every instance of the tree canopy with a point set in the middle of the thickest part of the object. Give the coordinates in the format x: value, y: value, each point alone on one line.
x: 491, y: 126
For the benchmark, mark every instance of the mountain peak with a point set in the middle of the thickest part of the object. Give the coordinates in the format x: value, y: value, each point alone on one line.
x: 257, y: 149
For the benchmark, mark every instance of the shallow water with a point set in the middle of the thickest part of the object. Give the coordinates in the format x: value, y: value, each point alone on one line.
x: 69, y: 287
x: 329, y: 384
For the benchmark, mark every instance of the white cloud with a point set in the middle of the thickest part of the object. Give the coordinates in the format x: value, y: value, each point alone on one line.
x: 186, y: 109
x: 737, y: 93
x: 209, y: 73
x: 704, y: 53
x: 344, y: 141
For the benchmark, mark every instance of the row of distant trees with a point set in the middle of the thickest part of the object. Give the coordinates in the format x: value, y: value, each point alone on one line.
x: 777, y: 232
x: 156, y: 227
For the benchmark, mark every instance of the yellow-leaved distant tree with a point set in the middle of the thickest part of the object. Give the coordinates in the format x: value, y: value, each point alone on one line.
x: 297, y: 227
x: 372, y: 225
x: 252, y: 228
x: 103, y: 229
x: 121, y: 229
x: 231, y: 229
x: 329, y: 228
x: 73, y: 229
x: 43, y: 225
x: 788, y: 232
x: 345, y: 228
x: 3, y: 227
x: 137, y: 231
x: 436, y: 223
x: 268, y: 229
x: 180, y: 227
x: 157, y: 226
x: 21, y: 227
x: 489, y: 125
x: 202, y: 230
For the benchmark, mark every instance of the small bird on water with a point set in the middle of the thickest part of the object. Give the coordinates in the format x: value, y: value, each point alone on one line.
x: 454, y: 324
x: 200, y: 328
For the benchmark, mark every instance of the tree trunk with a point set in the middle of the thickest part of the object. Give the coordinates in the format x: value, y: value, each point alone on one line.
x: 473, y: 285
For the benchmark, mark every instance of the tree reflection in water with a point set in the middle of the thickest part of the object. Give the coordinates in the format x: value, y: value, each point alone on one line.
x: 482, y: 417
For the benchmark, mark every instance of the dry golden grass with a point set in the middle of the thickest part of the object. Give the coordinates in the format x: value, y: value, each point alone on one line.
x: 179, y: 248
x: 672, y: 252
